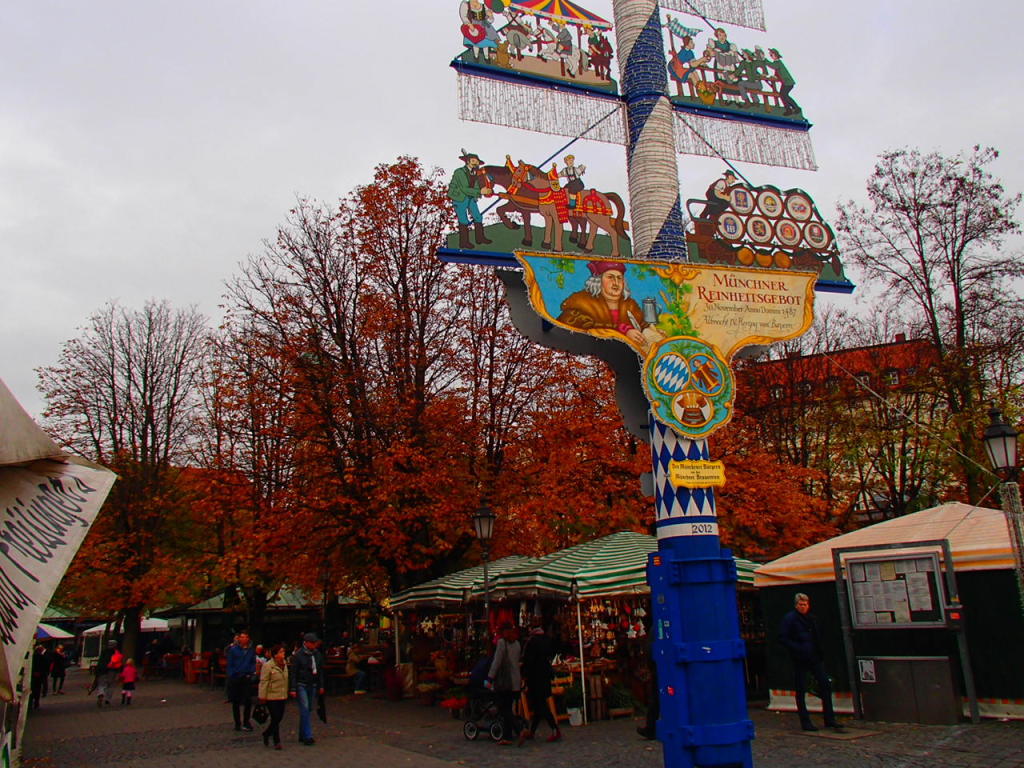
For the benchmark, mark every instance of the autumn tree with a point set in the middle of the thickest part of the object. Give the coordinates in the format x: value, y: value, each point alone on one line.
x: 932, y: 236
x: 124, y: 394
x: 243, y: 454
x: 357, y: 306
x: 765, y: 509
x: 574, y: 474
x: 857, y: 406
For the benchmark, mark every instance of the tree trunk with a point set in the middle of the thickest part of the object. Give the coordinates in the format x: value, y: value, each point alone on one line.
x: 130, y: 640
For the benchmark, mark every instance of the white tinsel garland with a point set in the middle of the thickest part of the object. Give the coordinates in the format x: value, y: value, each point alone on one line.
x: 561, y: 112
x: 746, y: 142
x: 743, y: 13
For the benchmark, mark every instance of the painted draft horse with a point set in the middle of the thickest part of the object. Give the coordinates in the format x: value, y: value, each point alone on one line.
x: 528, y: 191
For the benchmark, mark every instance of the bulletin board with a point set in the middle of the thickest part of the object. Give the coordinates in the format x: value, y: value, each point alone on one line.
x: 896, y: 591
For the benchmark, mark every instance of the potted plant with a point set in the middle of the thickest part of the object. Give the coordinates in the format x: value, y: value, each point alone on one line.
x: 573, y: 699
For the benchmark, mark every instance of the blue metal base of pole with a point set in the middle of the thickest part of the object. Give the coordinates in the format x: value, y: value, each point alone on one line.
x: 699, y: 655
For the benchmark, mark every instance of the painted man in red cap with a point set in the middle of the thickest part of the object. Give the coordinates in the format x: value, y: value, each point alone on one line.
x: 605, y: 303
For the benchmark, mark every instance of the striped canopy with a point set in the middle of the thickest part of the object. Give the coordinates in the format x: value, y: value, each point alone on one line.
x: 561, y: 10
x: 451, y: 589
x: 50, y: 632
x: 611, y: 565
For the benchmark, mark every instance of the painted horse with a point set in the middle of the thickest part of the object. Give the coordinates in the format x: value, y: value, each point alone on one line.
x: 528, y: 190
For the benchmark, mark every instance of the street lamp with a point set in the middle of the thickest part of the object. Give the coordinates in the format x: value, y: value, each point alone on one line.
x: 483, y: 522
x: 1001, y: 446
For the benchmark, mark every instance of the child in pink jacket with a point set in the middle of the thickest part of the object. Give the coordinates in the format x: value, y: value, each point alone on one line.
x: 128, y: 677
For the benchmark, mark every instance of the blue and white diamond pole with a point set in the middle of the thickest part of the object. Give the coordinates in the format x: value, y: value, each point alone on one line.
x: 697, y: 645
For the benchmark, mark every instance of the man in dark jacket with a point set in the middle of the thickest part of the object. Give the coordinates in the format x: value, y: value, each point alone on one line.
x: 801, y: 635
x: 306, y: 681
x: 537, y: 672
x: 241, y: 679
x: 108, y: 670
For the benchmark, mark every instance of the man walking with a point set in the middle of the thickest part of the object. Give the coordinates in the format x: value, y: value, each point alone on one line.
x: 108, y: 670
x: 306, y: 681
x: 241, y: 677
x: 801, y: 635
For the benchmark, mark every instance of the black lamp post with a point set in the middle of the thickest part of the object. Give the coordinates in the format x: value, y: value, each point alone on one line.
x: 1001, y: 446
x: 483, y: 522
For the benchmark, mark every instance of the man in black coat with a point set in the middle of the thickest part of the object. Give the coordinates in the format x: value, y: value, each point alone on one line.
x: 306, y: 681
x: 801, y: 635
x: 537, y: 672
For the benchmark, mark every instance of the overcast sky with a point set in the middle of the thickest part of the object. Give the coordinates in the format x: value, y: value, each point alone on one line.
x: 146, y: 148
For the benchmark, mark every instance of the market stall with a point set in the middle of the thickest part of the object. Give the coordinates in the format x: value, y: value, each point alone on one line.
x: 599, y: 589
x: 982, y: 565
x: 436, y: 637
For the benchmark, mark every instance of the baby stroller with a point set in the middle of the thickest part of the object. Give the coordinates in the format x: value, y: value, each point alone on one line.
x: 483, y: 717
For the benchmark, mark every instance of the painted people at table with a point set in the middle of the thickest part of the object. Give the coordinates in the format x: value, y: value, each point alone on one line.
x: 786, y: 82
x: 725, y: 53
x: 684, y: 65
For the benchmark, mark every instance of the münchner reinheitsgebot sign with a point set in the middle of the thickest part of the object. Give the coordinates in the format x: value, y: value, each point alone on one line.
x: 686, y: 320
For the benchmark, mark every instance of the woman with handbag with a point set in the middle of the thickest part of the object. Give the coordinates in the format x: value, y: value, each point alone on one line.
x: 273, y: 693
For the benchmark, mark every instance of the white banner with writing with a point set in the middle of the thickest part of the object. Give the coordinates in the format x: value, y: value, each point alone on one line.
x: 46, y: 509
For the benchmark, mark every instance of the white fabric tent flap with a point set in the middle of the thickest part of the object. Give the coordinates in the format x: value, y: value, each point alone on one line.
x: 21, y: 439
x: 146, y: 625
x: 978, y: 538
x: 46, y: 508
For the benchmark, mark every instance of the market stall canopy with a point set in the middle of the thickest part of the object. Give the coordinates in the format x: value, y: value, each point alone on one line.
x: 48, y: 501
x: 285, y: 600
x: 561, y: 11
x: 147, y: 625
x: 977, y: 536
x: 612, y: 565
x: 50, y: 632
x: 451, y: 589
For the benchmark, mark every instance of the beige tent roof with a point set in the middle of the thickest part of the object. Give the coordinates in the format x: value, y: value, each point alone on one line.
x: 978, y: 537
x: 21, y: 439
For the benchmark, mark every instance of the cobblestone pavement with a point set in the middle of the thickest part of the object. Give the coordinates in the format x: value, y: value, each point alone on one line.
x: 174, y: 725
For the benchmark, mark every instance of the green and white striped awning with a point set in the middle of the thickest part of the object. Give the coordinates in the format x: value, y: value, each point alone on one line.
x: 452, y: 589
x: 611, y: 565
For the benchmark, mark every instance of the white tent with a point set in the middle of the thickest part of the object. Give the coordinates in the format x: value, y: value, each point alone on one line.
x: 978, y: 538
x: 147, y: 625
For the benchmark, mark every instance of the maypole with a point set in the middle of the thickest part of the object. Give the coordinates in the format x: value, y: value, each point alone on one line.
x: 656, y: 213
x: 683, y: 303
x: 697, y: 644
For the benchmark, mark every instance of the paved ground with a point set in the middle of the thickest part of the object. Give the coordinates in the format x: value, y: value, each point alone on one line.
x: 174, y: 725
